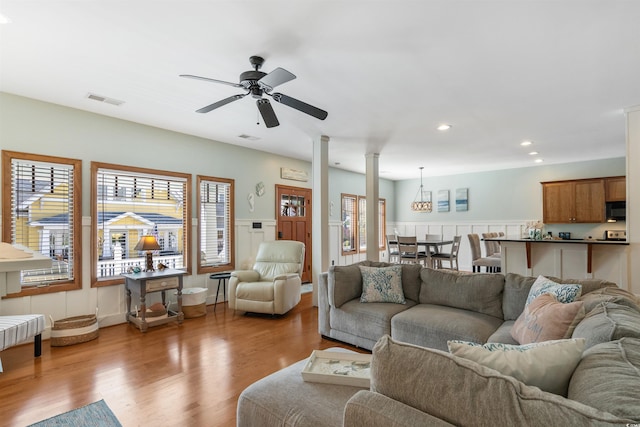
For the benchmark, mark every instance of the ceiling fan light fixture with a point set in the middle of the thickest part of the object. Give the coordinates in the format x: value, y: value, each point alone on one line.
x: 421, y: 205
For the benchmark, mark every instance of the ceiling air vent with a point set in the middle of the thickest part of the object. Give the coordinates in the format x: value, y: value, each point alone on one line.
x: 104, y: 99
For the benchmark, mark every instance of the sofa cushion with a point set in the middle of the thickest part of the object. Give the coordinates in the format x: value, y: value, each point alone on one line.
x: 503, y: 334
x: 547, y: 319
x: 345, y: 284
x: 465, y: 393
x: 431, y: 325
x: 516, y: 291
x: 564, y: 293
x: 547, y: 365
x: 370, y: 320
x: 369, y: 409
x: 382, y: 284
x: 610, y: 294
x: 608, y: 321
x: 481, y: 292
x: 411, y: 281
x: 285, y: 399
x: 608, y: 378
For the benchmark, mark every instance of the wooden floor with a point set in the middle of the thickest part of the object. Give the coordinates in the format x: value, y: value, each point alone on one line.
x: 188, y: 375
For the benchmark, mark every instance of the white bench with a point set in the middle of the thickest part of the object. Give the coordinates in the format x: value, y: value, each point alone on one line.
x: 20, y: 328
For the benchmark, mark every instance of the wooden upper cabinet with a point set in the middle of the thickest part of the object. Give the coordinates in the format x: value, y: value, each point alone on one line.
x: 577, y: 201
x: 615, y: 189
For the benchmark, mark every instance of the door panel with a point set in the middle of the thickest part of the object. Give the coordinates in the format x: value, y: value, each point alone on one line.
x: 293, y: 213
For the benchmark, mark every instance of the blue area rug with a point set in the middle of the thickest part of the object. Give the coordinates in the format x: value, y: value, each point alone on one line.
x: 95, y: 414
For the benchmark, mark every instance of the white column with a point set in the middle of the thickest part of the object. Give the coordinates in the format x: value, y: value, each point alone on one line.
x: 633, y: 197
x: 320, y: 211
x: 373, y: 209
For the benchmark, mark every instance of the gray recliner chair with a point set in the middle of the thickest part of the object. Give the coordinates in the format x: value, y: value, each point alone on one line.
x: 273, y: 286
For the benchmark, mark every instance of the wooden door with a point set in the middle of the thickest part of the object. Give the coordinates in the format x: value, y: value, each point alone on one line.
x: 590, y: 201
x: 293, y: 213
x: 558, y: 202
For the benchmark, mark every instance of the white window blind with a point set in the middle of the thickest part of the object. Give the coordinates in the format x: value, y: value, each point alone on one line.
x: 133, y: 204
x: 215, y: 222
x: 42, y: 207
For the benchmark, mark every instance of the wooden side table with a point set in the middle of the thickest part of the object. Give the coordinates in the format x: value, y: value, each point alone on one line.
x: 155, y: 281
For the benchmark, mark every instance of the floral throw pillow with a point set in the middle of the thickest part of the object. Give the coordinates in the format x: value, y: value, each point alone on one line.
x: 382, y: 284
x: 563, y: 293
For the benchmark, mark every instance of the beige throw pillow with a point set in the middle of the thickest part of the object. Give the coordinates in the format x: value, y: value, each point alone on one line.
x: 547, y: 365
x: 546, y: 319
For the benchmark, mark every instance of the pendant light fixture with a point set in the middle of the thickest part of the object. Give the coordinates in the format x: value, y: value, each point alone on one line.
x: 421, y: 205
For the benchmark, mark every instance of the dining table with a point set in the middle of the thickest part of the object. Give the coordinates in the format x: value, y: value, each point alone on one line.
x: 428, y: 244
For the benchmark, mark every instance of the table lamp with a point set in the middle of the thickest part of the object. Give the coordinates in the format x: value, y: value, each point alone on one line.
x: 148, y: 243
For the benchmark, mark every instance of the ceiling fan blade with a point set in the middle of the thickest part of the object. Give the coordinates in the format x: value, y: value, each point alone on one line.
x: 275, y: 78
x: 300, y: 106
x: 220, y: 103
x: 267, y: 113
x: 207, y: 79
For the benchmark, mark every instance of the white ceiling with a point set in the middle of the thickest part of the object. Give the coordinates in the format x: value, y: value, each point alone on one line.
x: 388, y: 72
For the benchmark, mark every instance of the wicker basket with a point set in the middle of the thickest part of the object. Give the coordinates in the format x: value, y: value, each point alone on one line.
x: 74, y: 330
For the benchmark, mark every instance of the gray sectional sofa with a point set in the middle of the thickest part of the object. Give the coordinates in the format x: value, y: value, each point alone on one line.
x: 441, y: 305
x: 415, y: 381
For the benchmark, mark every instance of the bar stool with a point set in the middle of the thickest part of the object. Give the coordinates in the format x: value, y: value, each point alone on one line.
x: 221, y: 278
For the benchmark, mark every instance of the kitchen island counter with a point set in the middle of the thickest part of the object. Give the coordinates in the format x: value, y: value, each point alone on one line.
x: 569, y: 258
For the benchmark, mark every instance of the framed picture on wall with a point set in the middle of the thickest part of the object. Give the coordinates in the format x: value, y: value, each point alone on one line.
x: 443, y: 201
x: 462, y: 199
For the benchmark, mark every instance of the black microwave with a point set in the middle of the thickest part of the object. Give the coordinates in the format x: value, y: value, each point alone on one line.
x: 616, y: 211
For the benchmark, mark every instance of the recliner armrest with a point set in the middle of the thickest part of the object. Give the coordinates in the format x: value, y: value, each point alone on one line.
x: 246, y: 275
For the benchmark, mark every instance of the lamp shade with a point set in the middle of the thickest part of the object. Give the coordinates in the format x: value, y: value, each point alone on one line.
x: 147, y: 243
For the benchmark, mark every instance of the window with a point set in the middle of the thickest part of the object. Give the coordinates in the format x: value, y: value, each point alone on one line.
x: 215, y: 224
x: 354, y: 224
x: 349, y: 221
x: 362, y: 224
x: 382, y: 221
x: 128, y: 203
x: 42, y: 211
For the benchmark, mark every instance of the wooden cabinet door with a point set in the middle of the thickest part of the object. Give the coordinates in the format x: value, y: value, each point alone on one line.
x: 616, y: 189
x: 558, y: 202
x: 589, y: 201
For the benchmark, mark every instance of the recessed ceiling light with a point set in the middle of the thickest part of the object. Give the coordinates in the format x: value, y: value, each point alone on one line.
x: 533, y: 153
x: 248, y: 137
x: 538, y: 160
x: 4, y: 19
x: 444, y: 126
x: 337, y: 163
x: 525, y: 143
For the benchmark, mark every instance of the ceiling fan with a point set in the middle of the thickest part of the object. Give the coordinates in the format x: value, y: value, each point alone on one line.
x: 258, y: 83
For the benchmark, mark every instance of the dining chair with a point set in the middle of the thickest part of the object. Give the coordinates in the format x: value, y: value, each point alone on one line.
x: 392, y: 248
x: 491, y: 264
x: 409, y: 253
x: 490, y: 247
x: 450, y: 257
